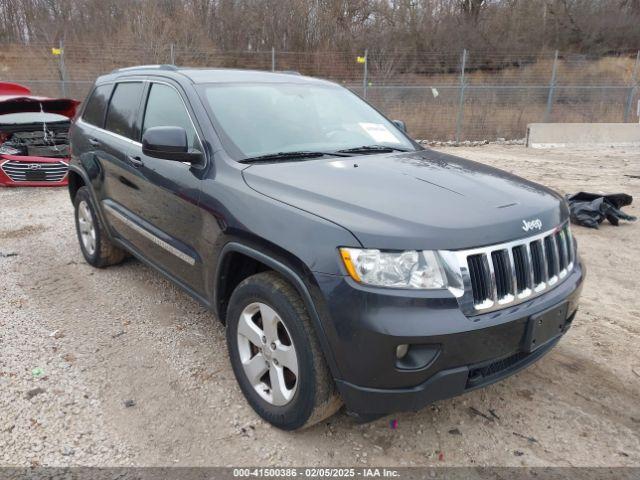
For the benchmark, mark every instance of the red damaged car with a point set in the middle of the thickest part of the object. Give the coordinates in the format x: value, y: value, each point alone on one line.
x: 34, y: 138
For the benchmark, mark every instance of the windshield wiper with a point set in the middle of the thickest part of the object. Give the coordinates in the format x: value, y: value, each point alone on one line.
x: 290, y: 155
x: 373, y: 149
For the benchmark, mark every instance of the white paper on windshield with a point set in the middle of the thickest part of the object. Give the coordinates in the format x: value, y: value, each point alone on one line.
x: 379, y: 133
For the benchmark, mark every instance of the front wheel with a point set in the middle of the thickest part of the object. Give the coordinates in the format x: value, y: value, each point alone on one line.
x: 275, y: 354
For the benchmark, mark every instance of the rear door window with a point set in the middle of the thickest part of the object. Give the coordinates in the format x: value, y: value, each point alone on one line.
x: 123, y: 109
x: 97, y: 105
x: 165, y: 108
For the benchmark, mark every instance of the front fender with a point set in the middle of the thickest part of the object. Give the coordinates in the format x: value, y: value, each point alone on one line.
x: 280, y: 265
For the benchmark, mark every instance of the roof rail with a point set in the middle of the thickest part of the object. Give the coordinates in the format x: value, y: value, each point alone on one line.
x: 146, y: 67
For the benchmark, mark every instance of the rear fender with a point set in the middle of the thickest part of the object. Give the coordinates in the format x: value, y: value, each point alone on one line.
x: 96, y: 204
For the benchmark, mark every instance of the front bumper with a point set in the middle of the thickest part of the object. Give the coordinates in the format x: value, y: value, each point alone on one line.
x: 444, y: 384
x: 365, y: 325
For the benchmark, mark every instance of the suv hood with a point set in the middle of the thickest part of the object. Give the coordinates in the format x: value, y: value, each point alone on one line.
x: 417, y: 200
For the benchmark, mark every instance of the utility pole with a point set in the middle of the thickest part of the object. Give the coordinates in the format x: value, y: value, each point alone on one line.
x: 63, y: 73
x: 633, y: 85
x: 461, y: 102
x: 552, y: 87
x: 365, y: 73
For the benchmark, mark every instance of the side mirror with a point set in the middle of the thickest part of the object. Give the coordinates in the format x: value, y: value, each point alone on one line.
x: 168, y: 143
x: 400, y: 124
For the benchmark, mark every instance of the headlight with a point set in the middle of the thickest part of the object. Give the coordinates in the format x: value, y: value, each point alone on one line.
x: 410, y: 269
x: 9, y: 150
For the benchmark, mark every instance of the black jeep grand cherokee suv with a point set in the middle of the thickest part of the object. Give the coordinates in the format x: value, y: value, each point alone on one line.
x: 349, y: 264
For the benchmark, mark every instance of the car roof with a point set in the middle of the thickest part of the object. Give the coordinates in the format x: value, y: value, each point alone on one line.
x: 212, y: 75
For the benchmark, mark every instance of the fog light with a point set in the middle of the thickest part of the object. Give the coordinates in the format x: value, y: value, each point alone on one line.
x: 401, y: 351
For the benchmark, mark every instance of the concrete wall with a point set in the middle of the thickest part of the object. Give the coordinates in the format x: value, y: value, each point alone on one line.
x: 548, y: 135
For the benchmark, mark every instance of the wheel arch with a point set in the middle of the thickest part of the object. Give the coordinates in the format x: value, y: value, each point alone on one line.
x: 75, y: 182
x: 267, y: 261
x: 78, y: 178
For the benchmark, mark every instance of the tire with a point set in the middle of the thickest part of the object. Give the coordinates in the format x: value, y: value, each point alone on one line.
x: 314, y: 396
x: 99, y: 252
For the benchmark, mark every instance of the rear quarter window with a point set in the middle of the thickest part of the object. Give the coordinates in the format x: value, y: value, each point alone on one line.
x: 123, y: 109
x: 97, y: 105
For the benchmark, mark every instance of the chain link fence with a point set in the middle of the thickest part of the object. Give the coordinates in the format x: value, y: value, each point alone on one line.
x: 470, y: 96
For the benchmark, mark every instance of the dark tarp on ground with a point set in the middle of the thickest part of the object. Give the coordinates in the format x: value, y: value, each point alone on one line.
x: 590, y: 209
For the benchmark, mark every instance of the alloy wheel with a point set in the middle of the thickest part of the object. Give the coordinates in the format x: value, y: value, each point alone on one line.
x: 268, y: 354
x: 86, y: 227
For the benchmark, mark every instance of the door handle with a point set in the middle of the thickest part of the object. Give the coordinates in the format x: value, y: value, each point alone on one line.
x: 135, y: 160
x: 93, y: 142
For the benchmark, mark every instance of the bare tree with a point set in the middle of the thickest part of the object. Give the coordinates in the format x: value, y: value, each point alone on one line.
x: 394, y: 26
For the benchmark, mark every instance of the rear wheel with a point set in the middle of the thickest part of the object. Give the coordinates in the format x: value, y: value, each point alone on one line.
x: 96, y: 247
x: 275, y: 354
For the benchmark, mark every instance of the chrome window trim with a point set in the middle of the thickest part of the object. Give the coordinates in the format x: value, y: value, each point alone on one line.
x: 144, y: 106
x: 465, y: 296
x: 109, y: 132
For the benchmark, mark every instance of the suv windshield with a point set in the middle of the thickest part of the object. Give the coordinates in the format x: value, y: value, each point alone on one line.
x: 256, y: 119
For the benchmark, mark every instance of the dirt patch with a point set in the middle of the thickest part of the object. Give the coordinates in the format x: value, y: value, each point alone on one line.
x: 128, y: 370
x: 22, y: 231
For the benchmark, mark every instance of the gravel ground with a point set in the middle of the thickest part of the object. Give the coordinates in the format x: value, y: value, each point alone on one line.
x: 117, y: 367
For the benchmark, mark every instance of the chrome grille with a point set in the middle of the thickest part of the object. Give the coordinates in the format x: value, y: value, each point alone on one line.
x: 497, y: 276
x: 23, y: 171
